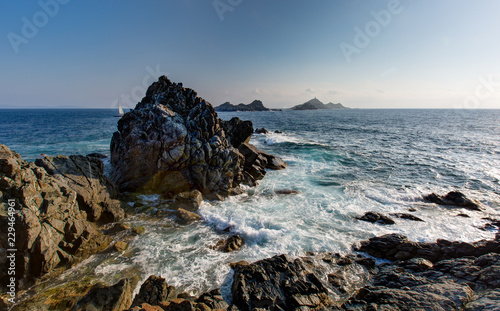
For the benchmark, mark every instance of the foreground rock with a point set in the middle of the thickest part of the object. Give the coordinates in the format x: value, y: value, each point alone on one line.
x: 56, y: 215
x: 454, y: 198
x: 174, y: 142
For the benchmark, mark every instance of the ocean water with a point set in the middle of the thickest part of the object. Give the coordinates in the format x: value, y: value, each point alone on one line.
x: 343, y: 163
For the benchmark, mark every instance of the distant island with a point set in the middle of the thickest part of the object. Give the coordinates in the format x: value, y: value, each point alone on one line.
x: 256, y: 105
x: 316, y: 104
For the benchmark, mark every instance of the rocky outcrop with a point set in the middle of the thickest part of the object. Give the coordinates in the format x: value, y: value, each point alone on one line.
x: 153, y: 291
x: 174, y: 142
x: 117, y: 297
x: 398, y: 247
x: 230, y: 244
x: 315, y: 104
x: 55, y: 217
x: 453, y: 198
x: 376, y: 218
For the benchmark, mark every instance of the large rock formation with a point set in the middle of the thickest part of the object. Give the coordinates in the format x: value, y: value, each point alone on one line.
x: 55, y: 214
x: 173, y: 142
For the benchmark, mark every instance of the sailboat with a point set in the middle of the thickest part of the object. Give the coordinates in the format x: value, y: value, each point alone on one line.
x: 120, y: 111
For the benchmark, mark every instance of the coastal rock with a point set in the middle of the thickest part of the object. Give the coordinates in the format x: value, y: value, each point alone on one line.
x: 261, y: 131
x: 96, y: 193
x: 173, y: 142
x: 315, y: 104
x: 256, y: 161
x: 237, y: 131
x: 376, y: 218
x: 398, y: 247
x: 230, y: 244
x: 52, y: 226
x: 277, y: 283
x: 407, y: 216
x: 190, y: 201
x: 153, y: 291
x: 213, y: 300
x: 454, y: 198
x: 186, y: 217
x: 286, y: 191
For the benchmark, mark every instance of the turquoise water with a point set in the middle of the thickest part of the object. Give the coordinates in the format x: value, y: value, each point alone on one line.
x: 344, y: 163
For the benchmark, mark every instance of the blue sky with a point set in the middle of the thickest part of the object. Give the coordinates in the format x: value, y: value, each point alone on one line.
x: 364, y: 54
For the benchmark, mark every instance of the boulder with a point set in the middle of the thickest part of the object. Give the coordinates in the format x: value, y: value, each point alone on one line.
x: 190, y: 200
x: 261, y: 131
x: 453, y: 198
x: 213, y: 300
x: 256, y: 162
x: 286, y: 191
x: 407, y: 216
x: 230, y: 244
x: 153, y: 291
x: 278, y: 283
x: 376, y: 218
x: 186, y: 217
x: 53, y: 229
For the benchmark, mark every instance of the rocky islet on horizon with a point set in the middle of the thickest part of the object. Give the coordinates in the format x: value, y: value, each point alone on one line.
x: 64, y: 202
x: 316, y: 104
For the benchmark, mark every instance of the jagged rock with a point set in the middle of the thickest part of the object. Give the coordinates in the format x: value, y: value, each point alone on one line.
x: 187, y: 217
x: 96, y: 193
x: 116, y: 228
x: 190, y: 201
x: 261, y: 131
x: 153, y: 291
x: 230, y: 244
x: 113, y: 298
x: 407, y: 216
x: 53, y: 228
x: 454, y: 198
x: 213, y: 300
x: 376, y: 218
x: 237, y: 131
x: 173, y: 142
x: 277, y: 283
x: 256, y: 161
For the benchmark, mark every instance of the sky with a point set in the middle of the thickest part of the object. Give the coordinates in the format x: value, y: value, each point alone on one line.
x: 363, y: 54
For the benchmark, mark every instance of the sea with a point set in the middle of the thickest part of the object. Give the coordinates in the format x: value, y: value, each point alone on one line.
x: 342, y: 163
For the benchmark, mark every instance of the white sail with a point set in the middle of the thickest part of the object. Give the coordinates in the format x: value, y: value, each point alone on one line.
x: 120, y: 109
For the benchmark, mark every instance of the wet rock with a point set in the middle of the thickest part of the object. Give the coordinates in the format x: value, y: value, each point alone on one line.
x: 189, y: 201
x: 153, y: 291
x: 139, y: 230
x: 376, y: 218
x: 454, y: 198
x: 261, y: 131
x: 213, y: 300
x: 230, y: 244
x: 277, y: 283
x: 488, y: 300
x: 237, y: 131
x: 116, y: 228
x: 407, y: 216
x: 278, y: 132
x: 186, y: 217
x: 121, y: 246
x: 101, y: 297
x: 256, y: 161
x: 53, y: 229
x: 286, y: 191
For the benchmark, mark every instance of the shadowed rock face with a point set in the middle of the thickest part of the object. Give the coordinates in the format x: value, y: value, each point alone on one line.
x: 173, y: 142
